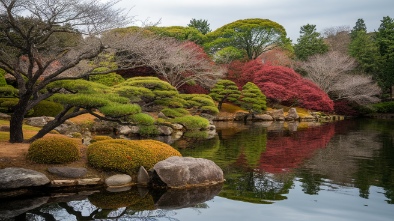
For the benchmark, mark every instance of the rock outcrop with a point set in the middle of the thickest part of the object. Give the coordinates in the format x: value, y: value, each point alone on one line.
x: 13, y: 177
x: 180, y: 172
x: 68, y: 172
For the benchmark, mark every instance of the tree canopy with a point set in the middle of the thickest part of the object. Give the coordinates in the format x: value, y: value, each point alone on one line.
x: 200, y: 24
x: 36, y: 51
x: 309, y: 43
x: 254, y: 36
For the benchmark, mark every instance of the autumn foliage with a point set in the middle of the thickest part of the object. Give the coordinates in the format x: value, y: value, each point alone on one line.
x: 281, y: 85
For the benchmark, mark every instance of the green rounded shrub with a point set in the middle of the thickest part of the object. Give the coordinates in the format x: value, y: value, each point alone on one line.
x: 191, y: 122
x: 110, y: 79
x: 46, y: 108
x: 54, y: 150
x: 175, y: 112
x: 128, y: 155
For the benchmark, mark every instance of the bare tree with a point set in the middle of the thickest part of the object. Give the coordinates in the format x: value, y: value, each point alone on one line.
x: 332, y: 73
x: 176, y: 62
x: 337, y: 38
x: 34, y: 38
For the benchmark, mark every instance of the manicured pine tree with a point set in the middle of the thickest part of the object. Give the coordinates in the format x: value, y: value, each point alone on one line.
x: 252, y: 99
x: 225, y: 90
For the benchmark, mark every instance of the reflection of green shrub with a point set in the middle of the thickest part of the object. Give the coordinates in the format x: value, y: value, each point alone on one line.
x: 192, y: 122
x: 128, y: 155
x: 196, y: 134
x: 174, y: 112
x: 53, y: 150
x: 115, y: 200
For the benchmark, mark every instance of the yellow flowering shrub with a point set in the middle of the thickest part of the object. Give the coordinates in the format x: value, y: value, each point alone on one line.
x: 54, y: 149
x: 128, y: 155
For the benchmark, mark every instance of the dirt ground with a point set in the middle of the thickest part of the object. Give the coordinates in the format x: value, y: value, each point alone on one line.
x: 14, y: 155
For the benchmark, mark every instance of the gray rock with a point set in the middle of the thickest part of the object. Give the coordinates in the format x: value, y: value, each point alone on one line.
x: 277, y: 114
x: 5, y: 116
x: 177, y: 126
x: 143, y: 176
x: 263, y: 117
x: 165, y: 130
x: 68, y: 172
x: 67, y: 127
x: 292, y: 114
x: 118, y: 180
x: 124, y: 130
x: 187, y: 171
x: 241, y: 116
x: 38, y: 121
x: 161, y: 115
x: 135, y: 129
x: 13, y: 177
x: 211, y: 127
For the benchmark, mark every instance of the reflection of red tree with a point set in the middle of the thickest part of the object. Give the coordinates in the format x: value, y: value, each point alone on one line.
x: 285, y: 153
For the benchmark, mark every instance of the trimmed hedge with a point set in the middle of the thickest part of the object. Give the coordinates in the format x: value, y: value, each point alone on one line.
x: 128, y: 155
x: 54, y: 150
x: 384, y: 107
x: 191, y: 122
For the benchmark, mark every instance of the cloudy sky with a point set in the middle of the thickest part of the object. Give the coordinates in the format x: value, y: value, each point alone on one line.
x: 291, y: 14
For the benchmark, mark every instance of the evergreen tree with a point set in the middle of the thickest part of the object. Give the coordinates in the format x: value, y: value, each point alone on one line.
x: 224, y: 90
x: 252, y: 99
x: 309, y: 43
x: 360, y: 26
x: 201, y: 25
x: 363, y: 48
x: 385, y: 41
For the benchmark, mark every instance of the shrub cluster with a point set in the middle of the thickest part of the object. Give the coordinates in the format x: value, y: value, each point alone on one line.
x: 384, y: 107
x: 46, y: 108
x: 128, y: 155
x: 54, y: 150
x: 191, y: 122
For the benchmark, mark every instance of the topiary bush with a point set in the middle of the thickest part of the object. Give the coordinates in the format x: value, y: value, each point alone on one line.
x: 384, y: 107
x: 54, y: 150
x: 128, y: 155
x: 191, y: 122
x: 175, y: 112
x: 46, y: 108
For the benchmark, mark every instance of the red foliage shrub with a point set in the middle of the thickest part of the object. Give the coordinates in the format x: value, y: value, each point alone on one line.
x: 192, y: 89
x: 344, y: 108
x: 284, y: 85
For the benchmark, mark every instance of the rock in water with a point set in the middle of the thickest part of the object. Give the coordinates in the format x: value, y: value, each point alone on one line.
x: 178, y: 172
x: 13, y: 177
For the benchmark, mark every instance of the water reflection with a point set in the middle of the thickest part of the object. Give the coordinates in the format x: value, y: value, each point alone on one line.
x: 134, y: 203
x: 336, y: 171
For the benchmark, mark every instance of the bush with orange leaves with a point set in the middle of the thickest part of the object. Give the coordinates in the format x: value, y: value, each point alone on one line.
x: 128, y: 155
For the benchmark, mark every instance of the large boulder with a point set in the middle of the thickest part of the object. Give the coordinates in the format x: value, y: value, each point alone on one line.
x: 11, y: 209
x: 12, y: 178
x: 292, y: 114
x: 179, y: 172
x: 38, y: 121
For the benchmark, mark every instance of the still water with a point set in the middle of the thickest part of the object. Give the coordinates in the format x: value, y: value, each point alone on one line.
x: 334, y: 171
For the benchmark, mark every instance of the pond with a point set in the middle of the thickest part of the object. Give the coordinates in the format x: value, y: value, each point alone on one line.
x: 334, y: 171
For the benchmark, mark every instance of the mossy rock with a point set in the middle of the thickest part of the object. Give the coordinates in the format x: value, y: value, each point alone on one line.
x: 128, y: 155
x: 54, y: 150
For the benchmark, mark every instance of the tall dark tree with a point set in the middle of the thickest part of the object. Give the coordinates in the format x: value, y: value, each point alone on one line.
x: 360, y: 26
x: 363, y: 48
x: 309, y: 43
x: 35, y: 49
x: 385, y: 41
x: 201, y: 25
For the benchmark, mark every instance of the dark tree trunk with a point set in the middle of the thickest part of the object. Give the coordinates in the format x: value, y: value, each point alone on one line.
x: 16, y: 123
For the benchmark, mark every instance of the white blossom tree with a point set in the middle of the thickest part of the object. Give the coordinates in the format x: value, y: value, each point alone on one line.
x: 332, y: 72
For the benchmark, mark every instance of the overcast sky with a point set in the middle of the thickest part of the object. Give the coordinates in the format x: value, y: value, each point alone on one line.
x: 291, y: 14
